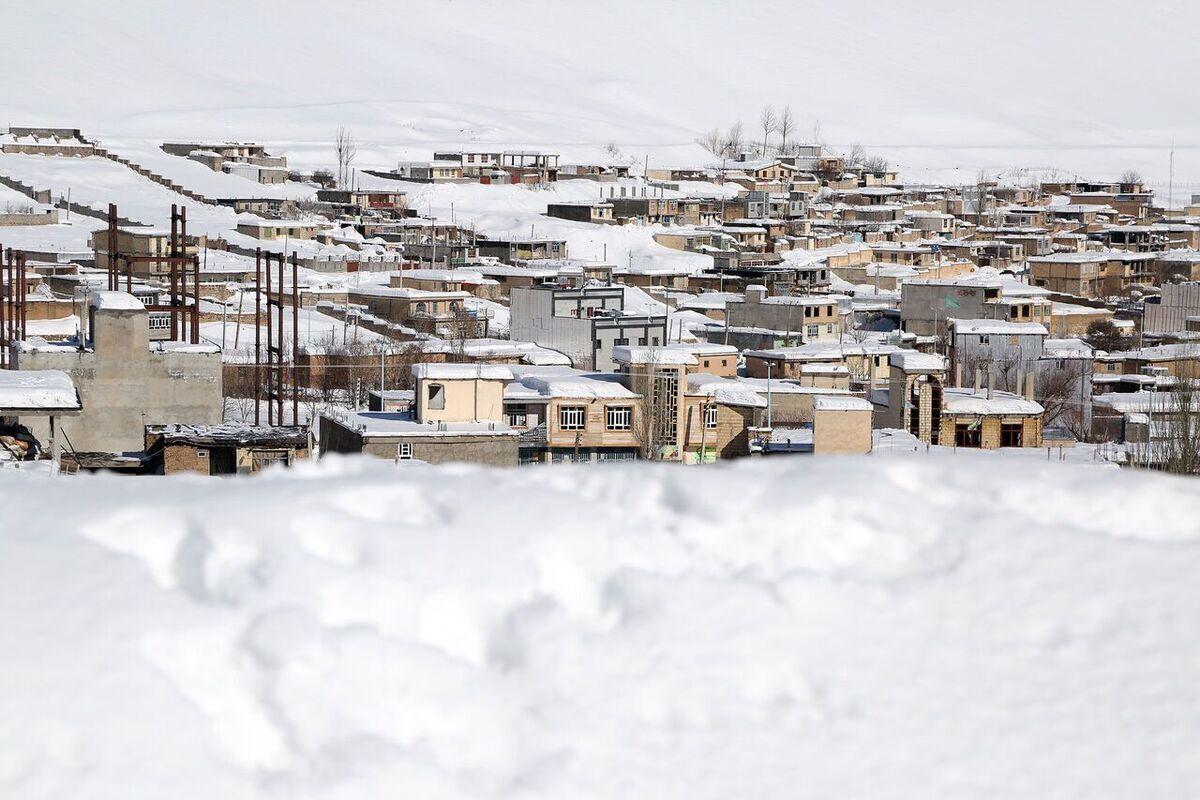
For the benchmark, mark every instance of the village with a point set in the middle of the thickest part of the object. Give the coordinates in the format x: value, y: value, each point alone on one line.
x: 202, y: 306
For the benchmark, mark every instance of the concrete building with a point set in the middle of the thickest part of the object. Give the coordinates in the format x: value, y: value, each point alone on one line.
x: 803, y: 319
x: 459, y: 417
x: 222, y: 449
x: 125, y: 380
x: 926, y: 303
x: 585, y: 323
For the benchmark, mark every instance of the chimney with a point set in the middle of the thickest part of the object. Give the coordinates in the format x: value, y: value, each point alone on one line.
x: 1029, y: 386
x: 978, y: 379
x: 989, y: 382
x: 756, y: 293
x: 958, y: 373
x: 1021, y: 382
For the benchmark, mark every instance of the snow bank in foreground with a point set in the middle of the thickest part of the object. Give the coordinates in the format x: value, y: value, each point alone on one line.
x: 864, y: 628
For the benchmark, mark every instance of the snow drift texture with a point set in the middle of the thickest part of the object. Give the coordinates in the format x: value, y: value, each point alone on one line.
x: 864, y: 628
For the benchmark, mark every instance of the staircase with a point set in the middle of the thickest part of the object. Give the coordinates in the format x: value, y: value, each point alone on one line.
x: 104, y: 152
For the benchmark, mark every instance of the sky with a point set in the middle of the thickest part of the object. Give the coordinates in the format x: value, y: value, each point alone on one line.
x: 939, y: 87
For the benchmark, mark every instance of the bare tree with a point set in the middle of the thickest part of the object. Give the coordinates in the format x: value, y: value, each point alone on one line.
x: 768, y: 120
x: 857, y: 157
x: 346, y: 150
x: 876, y: 165
x: 1130, y: 176
x: 1177, y: 448
x: 712, y: 141
x: 1058, y: 391
x: 786, y: 127
x: 816, y: 132
x: 735, y: 139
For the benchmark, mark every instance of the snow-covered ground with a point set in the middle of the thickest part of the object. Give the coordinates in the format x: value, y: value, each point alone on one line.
x: 942, y: 93
x: 860, y: 627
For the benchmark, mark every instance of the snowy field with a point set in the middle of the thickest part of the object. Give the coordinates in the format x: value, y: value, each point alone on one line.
x: 942, y: 93
x: 867, y: 628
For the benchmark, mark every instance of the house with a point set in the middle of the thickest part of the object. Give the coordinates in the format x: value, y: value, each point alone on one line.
x: 441, y: 313
x: 244, y: 159
x: 359, y: 200
x: 651, y: 210
x: 1094, y: 274
x: 125, y: 380
x: 514, y: 247
x: 926, y: 303
x: 972, y: 417
x: 272, y: 229
x: 430, y: 171
x: 458, y: 417
x: 719, y: 414
x: 997, y: 345
x: 35, y: 394
x: 222, y: 449
x: 584, y: 323
x: 808, y: 318
x: 841, y: 425
x: 598, y: 212
x: 564, y: 414
x: 138, y: 246
x: 866, y: 362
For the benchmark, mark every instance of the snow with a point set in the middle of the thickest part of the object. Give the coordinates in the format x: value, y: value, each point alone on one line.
x: 836, y: 403
x: 725, y: 391
x: 966, y: 400
x: 997, y: 327
x: 47, y: 390
x: 653, y: 355
x: 637, y: 634
x: 116, y: 301
x: 450, y: 372
x: 913, y: 361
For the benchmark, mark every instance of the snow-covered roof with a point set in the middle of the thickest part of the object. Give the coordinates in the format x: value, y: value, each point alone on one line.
x: 965, y: 400
x: 564, y: 382
x: 451, y: 372
x: 999, y: 327
x: 399, y: 423
x: 653, y: 355
x: 724, y: 391
x: 116, y: 301
x: 46, y: 391
x: 840, y: 403
x: 914, y: 361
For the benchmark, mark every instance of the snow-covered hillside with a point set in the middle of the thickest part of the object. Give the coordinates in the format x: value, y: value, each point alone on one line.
x: 943, y: 90
x: 867, y: 628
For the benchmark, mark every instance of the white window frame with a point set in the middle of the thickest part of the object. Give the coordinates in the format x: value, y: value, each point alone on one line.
x: 404, y: 451
x: 614, y: 413
x: 710, y: 416
x: 572, y: 418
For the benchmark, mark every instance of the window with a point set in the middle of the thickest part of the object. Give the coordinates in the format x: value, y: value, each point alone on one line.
x: 1012, y: 435
x: 261, y: 459
x: 159, y: 322
x: 622, y: 341
x: 437, y: 396
x: 654, y: 341
x: 516, y: 415
x: 404, y: 451
x: 201, y: 454
x: 619, y: 418
x: 572, y: 418
x: 642, y: 341
x: 967, y: 435
x: 420, y: 308
x: 814, y: 330
x: 710, y: 416
x: 706, y: 362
